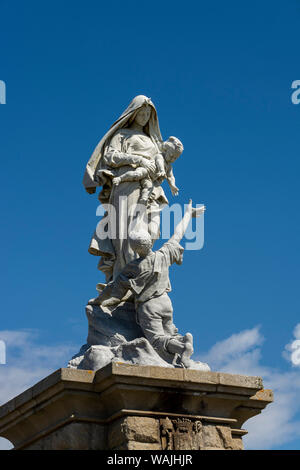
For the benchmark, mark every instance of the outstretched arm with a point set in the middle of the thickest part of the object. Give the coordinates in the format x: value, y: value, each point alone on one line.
x: 183, y: 224
x: 171, y: 182
x: 160, y: 165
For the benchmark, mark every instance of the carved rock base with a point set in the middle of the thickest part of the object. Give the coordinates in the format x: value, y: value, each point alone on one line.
x: 114, y: 336
x: 134, y: 407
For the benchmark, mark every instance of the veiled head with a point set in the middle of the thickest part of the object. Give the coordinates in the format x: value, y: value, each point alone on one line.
x: 140, y: 108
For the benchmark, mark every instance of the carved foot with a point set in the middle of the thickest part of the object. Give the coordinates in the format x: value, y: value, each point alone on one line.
x: 188, y: 351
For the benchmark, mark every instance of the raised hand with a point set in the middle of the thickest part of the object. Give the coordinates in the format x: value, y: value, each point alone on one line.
x: 174, y: 190
x: 195, y: 211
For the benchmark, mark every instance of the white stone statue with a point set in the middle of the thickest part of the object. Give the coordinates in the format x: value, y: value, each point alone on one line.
x: 132, y: 318
x: 134, y: 140
x: 171, y: 150
x: 147, y: 277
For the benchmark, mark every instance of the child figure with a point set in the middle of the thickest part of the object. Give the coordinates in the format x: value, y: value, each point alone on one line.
x: 147, y: 278
x: 171, y: 150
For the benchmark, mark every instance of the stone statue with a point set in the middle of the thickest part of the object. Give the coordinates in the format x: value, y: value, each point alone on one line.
x: 133, y: 141
x: 147, y: 277
x: 172, y: 149
x: 125, y: 406
x: 131, y: 320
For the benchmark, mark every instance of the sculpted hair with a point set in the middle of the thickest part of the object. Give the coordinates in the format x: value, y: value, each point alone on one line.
x: 140, y: 238
x: 176, y: 145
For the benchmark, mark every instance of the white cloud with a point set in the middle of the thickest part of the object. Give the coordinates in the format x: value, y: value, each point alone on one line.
x: 292, y: 350
x: 278, y: 423
x: 296, y: 331
x: 27, y: 363
x: 238, y: 352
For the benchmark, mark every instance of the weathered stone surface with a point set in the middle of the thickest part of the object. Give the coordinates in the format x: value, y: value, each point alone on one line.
x: 111, y: 328
x: 217, y: 437
x: 194, y: 434
x: 132, y: 445
x: 132, y: 430
x: 116, y: 337
x: 237, y: 442
x: 123, y: 406
x: 141, y: 429
x: 79, y: 436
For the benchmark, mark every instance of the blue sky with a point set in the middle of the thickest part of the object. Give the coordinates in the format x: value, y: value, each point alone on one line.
x: 220, y: 75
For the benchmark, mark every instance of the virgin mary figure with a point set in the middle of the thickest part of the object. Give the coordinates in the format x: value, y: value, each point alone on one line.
x: 132, y: 141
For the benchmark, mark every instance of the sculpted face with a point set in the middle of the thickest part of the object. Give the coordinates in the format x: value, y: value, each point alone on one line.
x: 143, y: 115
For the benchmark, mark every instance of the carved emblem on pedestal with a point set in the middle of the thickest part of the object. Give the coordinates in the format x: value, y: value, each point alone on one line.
x: 181, y: 434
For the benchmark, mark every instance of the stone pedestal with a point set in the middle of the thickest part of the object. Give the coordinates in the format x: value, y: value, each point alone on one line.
x: 134, y: 407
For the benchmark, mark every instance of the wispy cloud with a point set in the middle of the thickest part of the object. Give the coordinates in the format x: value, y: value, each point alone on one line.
x: 292, y: 350
x: 241, y: 354
x: 27, y: 363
